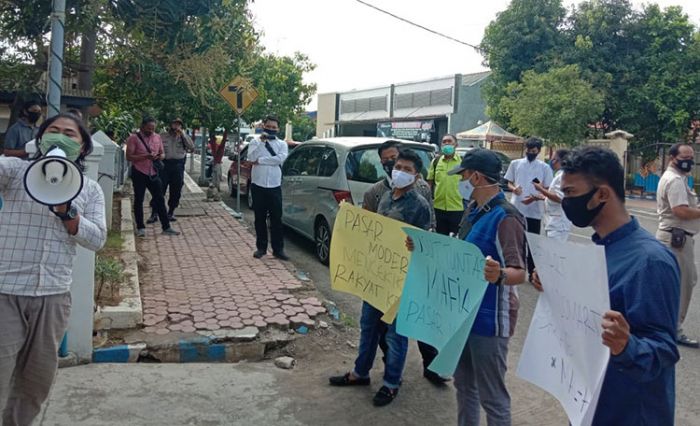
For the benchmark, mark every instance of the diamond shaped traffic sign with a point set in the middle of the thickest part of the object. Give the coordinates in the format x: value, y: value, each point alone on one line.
x: 239, y: 93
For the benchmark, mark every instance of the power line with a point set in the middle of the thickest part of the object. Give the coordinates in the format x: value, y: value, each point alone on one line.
x: 418, y: 25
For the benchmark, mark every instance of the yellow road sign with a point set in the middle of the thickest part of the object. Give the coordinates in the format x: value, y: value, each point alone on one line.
x: 239, y: 93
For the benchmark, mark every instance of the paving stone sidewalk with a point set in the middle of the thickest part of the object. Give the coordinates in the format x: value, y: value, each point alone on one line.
x: 207, y: 279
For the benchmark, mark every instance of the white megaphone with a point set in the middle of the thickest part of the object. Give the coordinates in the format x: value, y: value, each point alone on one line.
x: 53, y: 180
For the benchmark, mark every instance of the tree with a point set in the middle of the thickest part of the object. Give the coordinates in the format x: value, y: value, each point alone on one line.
x: 557, y: 105
x: 303, y: 127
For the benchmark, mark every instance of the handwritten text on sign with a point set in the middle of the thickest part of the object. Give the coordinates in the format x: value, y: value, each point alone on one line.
x: 563, y: 353
x: 443, y: 291
x: 368, y: 256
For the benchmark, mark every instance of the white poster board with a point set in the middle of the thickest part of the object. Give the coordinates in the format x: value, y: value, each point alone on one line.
x: 563, y: 352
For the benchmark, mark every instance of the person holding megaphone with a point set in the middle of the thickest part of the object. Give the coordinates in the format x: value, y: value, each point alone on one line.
x: 49, y: 209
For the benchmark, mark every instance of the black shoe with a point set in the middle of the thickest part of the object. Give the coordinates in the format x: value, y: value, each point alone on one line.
x: 172, y: 218
x: 384, y: 396
x: 346, y: 381
x: 152, y: 219
x: 258, y: 254
x: 435, y: 378
x: 687, y: 341
x: 280, y: 255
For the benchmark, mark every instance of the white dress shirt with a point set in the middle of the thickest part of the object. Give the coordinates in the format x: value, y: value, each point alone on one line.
x: 521, y: 172
x: 268, y: 172
x: 36, y: 251
x: 556, y: 219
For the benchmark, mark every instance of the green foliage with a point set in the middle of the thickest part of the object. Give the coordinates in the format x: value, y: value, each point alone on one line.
x: 556, y: 105
x: 120, y: 122
x: 645, y: 64
x: 303, y: 127
x: 108, y: 270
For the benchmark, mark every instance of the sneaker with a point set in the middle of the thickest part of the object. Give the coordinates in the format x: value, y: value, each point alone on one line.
x: 435, y: 378
x: 345, y: 380
x: 170, y: 231
x: 141, y: 233
x: 258, y: 254
x: 687, y: 341
x: 281, y: 255
x: 152, y: 219
x: 384, y: 396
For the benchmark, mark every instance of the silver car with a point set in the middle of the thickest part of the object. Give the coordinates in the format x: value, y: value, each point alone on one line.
x: 321, y: 173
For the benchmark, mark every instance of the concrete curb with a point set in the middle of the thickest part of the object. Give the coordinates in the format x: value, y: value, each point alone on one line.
x: 129, y: 313
x: 192, y: 185
x: 119, y: 353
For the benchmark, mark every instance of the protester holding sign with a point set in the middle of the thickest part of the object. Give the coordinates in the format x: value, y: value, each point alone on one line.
x: 644, y: 281
x: 404, y: 204
x: 498, y: 230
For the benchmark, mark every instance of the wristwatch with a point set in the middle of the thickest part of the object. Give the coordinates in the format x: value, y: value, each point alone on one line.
x: 501, y: 277
x: 70, y: 214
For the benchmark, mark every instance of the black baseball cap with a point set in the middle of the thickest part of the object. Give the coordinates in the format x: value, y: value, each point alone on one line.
x: 481, y: 160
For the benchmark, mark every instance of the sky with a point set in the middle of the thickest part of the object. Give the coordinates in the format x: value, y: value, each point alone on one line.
x: 356, y: 47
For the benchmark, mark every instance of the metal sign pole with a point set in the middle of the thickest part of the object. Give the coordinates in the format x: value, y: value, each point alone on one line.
x: 238, y: 165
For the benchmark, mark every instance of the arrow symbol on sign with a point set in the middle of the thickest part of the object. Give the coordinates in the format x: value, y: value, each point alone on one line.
x: 239, y: 95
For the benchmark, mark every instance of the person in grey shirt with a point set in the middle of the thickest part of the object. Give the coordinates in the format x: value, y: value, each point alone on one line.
x: 23, y: 131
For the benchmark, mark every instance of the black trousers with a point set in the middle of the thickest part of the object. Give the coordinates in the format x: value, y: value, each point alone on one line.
x: 268, y: 202
x: 153, y: 184
x: 447, y: 221
x: 533, y: 226
x: 172, y: 177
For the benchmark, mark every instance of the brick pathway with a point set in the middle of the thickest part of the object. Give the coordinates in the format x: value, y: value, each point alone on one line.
x: 207, y: 279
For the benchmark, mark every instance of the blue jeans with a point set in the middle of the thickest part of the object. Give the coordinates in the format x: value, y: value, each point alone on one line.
x: 371, y: 329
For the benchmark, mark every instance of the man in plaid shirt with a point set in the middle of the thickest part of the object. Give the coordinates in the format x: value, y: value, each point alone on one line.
x: 37, y: 249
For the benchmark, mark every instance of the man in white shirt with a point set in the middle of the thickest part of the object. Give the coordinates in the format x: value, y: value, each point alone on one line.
x: 557, y: 225
x: 522, y: 174
x: 267, y: 154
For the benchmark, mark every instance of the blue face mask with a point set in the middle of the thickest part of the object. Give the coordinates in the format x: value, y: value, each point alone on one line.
x: 270, y: 133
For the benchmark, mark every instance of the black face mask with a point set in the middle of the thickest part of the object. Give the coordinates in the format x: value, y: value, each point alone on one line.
x: 389, y: 166
x: 33, y: 116
x: 531, y: 157
x: 576, y: 209
x: 685, y: 165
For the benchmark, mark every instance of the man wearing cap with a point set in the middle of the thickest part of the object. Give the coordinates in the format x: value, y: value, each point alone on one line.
x: 498, y: 229
x: 176, y: 145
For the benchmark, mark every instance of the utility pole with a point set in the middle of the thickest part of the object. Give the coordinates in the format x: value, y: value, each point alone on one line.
x: 53, y: 90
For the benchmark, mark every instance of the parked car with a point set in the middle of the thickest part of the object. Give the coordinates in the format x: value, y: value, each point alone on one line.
x: 505, y: 162
x: 321, y: 173
x: 231, y: 176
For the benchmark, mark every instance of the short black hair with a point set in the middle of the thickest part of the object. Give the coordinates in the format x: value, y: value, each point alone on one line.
x: 410, y: 155
x: 450, y: 135
x: 272, y: 118
x: 561, y: 154
x: 533, y: 143
x: 26, y: 105
x: 676, y: 148
x: 388, y: 144
x: 599, y: 165
x: 147, y: 120
x: 84, y: 135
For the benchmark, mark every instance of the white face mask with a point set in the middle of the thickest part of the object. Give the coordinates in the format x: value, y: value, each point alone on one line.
x: 401, y: 179
x: 466, y: 188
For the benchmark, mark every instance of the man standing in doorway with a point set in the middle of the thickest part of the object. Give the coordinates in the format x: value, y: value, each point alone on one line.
x: 556, y: 226
x: 176, y: 145
x: 679, y: 221
x: 22, y: 131
x: 522, y: 174
x: 447, y: 201
x: 267, y: 153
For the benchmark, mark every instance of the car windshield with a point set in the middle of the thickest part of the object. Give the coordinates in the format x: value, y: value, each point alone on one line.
x: 364, y: 165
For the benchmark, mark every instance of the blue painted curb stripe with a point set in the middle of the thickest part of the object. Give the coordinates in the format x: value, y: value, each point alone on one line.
x: 199, y: 350
x: 118, y: 353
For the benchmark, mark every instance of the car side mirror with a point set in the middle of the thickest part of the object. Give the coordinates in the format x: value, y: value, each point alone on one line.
x: 233, y: 157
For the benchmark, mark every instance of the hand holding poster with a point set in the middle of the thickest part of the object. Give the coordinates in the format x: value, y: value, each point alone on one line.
x: 369, y: 257
x: 563, y: 352
x: 443, y: 291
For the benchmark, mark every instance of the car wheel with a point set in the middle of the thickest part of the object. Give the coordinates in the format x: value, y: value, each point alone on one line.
x: 322, y: 237
x: 249, y: 197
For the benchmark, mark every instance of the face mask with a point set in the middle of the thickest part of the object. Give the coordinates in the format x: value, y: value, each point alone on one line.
x: 401, y: 179
x: 448, y: 149
x: 466, y: 188
x: 685, y: 165
x: 61, y: 141
x: 389, y: 167
x: 576, y: 209
x: 531, y: 157
x: 33, y: 116
x: 270, y: 133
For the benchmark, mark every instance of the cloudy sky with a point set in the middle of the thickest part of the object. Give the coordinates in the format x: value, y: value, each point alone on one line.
x: 356, y: 47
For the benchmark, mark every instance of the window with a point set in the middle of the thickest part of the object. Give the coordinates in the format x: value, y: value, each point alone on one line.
x: 364, y: 165
x: 304, y: 161
x: 329, y: 162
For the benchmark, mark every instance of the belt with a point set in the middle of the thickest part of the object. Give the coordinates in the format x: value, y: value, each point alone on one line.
x: 670, y: 230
